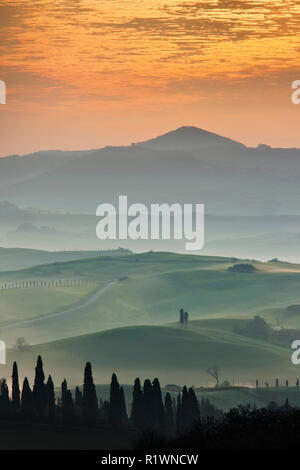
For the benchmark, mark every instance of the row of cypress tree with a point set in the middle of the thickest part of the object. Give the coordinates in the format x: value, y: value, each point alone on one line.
x: 40, y: 402
x: 149, y: 410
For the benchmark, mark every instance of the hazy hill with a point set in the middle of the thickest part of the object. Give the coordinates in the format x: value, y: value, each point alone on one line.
x: 172, y: 353
x: 186, y: 165
x: 127, y: 321
x: 143, y: 289
x: 190, y: 138
x: 16, y: 168
x: 262, y: 237
x: 19, y: 258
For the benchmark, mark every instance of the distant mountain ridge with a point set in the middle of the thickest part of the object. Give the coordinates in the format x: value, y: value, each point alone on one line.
x: 185, y: 165
x: 16, y: 168
x: 188, y: 137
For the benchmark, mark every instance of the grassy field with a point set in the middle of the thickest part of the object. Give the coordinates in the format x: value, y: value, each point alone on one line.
x: 131, y: 327
x: 12, y: 259
x: 172, y: 353
x: 22, y: 258
x: 154, y: 287
x: 21, y: 304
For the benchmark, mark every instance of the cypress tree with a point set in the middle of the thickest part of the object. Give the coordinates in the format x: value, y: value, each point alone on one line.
x: 50, y: 398
x: 64, y: 389
x: 174, y: 401
x: 185, y: 410
x: 158, y: 407
x: 179, y: 415
x: 148, y: 406
x: 68, y: 410
x: 4, y: 398
x: 39, y: 389
x: 15, y: 403
x: 169, y: 419
x: 90, y: 400
x: 78, y: 398
x: 137, y: 405
x: 115, y: 402
x: 67, y: 404
x: 194, y: 407
x: 123, y: 406
x: 181, y: 316
x: 27, y: 400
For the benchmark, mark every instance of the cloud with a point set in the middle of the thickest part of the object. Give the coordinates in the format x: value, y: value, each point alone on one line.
x: 115, y: 50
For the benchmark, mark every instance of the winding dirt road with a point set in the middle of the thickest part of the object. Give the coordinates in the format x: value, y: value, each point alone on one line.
x: 68, y: 311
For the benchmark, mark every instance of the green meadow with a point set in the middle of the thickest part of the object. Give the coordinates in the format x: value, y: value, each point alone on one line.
x: 128, y: 322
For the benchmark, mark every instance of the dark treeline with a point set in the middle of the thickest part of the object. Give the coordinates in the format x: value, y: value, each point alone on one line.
x: 243, y: 428
x: 159, y: 422
x: 149, y: 410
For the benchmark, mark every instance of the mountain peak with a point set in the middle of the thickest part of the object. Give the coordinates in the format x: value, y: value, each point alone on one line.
x: 189, y: 138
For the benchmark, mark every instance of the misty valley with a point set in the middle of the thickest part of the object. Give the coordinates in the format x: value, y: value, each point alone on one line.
x: 130, y: 332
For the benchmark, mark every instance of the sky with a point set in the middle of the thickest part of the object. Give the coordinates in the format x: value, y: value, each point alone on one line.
x: 87, y: 73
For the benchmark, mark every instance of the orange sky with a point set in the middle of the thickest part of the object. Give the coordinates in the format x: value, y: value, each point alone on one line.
x: 85, y: 73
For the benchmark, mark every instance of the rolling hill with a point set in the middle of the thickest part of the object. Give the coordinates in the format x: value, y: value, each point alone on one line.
x: 127, y: 321
x: 175, y: 354
x: 12, y: 259
x: 146, y: 289
x: 188, y: 164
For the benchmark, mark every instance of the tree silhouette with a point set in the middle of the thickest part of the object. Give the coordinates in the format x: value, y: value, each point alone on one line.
x: 115, y: 403
x: 27, y: 400
x: 78, y: 398
x: 50, y: 398
x: 214, y: 372
x: 4, y: 398
x: 181, y: 316
x: 185, y: 410
x: 169, y: 417
x: 158, y: 407
x: 67, y: 404
x: 123, y: 406
x: 64, y: 389
x: 90, y: 400
x: 179, y: 415
x: 39, y: 389
x: 194, y: 406
x: 15, y: 403
x: 137, y: 405
x: 148, y: 406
